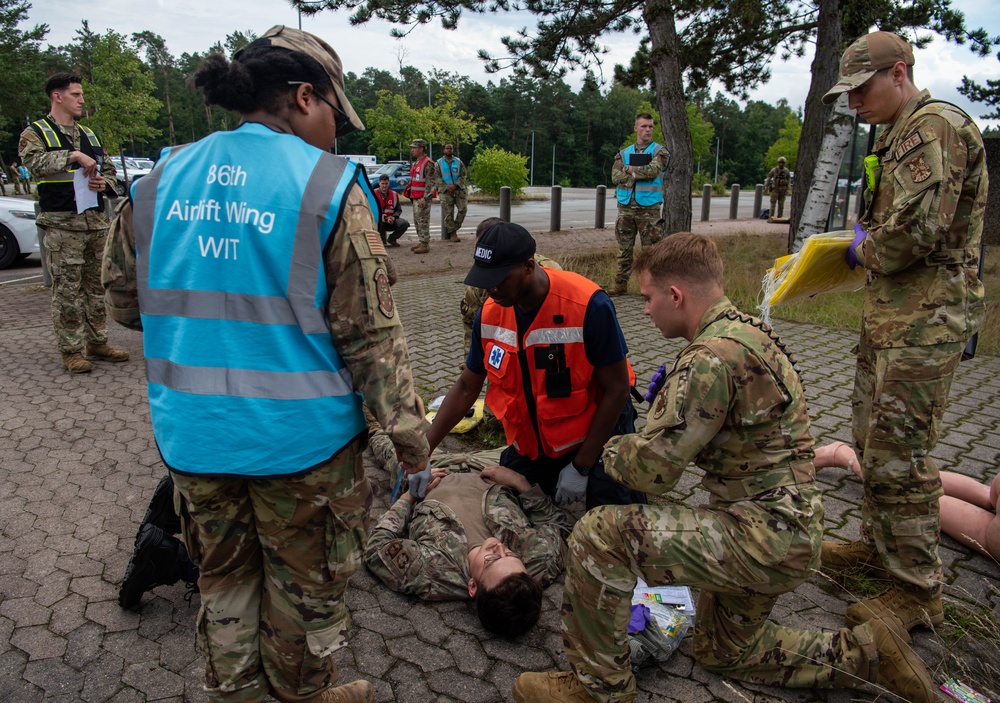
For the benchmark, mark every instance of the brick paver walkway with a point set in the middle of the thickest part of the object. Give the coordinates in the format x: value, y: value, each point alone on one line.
x: 78, y: 465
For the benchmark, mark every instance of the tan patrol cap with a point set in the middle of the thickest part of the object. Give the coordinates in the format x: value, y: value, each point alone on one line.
x: 315, y: 48
x: 867, y: 55
x: 419, y: 142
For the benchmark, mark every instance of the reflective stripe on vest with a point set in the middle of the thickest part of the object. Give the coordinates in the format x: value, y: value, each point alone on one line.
x: 418, y: 185
x: 647, y: 192
x: 244, y: 378
x: 450, y: 172
x: 388, y: 205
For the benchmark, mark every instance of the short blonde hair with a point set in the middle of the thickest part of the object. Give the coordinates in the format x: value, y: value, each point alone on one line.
x: 692, y: 258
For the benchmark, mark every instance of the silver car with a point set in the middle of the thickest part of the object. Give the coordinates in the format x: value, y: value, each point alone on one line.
x: 18, y: 236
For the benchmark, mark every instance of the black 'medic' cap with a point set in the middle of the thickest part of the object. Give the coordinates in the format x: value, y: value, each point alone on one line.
x: 502, y: 246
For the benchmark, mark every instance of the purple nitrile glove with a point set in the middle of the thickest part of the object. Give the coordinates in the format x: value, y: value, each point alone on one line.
x: 659, y: 378
x: 852, y: 252
x: 639, y: 620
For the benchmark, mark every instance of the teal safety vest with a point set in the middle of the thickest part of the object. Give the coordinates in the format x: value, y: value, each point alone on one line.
x: 647, y: 192
x: 243, y: 375
x: 450, y: 172
x: 55, y: 190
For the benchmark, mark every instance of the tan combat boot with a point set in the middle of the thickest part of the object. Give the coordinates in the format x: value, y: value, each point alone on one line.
x: 852, y: 556
x: 900, y: 670
x: 106, y: 353
x: 554, y: 686
x: 75, y: 363
x: 910, y: 607
x: 354, y: 692
x: 420, y: 248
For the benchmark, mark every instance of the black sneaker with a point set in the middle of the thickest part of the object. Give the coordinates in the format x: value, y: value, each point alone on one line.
x: 161, y: 510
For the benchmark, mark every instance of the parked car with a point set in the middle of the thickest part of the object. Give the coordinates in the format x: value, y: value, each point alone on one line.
x: 134, y: 171
x: 18, y: 236
x: 398, y: 172
x: 146, y: 164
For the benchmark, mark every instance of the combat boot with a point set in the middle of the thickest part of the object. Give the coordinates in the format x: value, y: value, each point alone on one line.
x: 354, y: 692
x: 161, y: 509
x: 106, y: 353
x: 910, y: 607
x: 421, y: 248
x: 158, y: 559
x: 900, y: 670
x: 856, y: 557
x: 75, y: 363
x: 543, y: 687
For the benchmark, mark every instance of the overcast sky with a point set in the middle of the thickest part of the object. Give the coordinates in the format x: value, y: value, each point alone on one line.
x: 194, y: 25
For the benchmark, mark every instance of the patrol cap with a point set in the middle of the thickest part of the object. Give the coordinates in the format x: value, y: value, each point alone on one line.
x: 781, y: 159
x: 502, y: 246
x: 419, y: 142
x: 315, y: 48
x: 867, y: 55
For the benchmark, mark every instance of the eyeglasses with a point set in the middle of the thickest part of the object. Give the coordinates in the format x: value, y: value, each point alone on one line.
x: 342, y: 122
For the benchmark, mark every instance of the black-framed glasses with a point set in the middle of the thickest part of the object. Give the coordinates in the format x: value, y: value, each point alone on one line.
x: 343, y: 121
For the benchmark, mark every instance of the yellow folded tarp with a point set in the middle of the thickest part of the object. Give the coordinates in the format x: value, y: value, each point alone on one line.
x: 818, y: 267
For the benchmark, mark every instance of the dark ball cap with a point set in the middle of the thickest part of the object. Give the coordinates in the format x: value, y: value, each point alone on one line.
x: 501, y: 247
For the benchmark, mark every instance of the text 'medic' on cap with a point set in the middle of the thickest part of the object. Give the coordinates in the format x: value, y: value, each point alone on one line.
x: 501, y: 247
x: 315, y: 48
x: 865, y: 56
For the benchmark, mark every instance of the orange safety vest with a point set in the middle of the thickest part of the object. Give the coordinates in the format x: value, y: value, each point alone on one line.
x: 417, y: 181
x: 563, y: 386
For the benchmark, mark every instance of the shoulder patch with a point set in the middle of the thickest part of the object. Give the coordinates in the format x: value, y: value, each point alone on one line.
x: 383, y: 291
x: 375, y: 243
x: 907, y: 145
x: 919, y: 170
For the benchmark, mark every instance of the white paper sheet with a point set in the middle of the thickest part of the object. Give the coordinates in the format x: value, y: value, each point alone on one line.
x: 85, y: 197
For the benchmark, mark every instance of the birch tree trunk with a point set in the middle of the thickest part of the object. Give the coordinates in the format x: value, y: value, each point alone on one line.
x: 824, y: 71
x: 823, y: 184
x: 669, y: 88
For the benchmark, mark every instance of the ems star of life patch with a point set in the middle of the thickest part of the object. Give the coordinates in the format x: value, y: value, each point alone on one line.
x: 495, y: 359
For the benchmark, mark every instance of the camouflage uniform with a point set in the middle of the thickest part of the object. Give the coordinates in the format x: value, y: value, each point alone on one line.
x: 73, y: 245
x: 422, y: 205
x: 734, y: 405
x: 15, y: 179
x: 309, y: 528
x: 923, y: 301
x: 422, y: 548
x: 474, y: 298
x: 449, y: 201
x: 776, y: 184
x: 634, y: 218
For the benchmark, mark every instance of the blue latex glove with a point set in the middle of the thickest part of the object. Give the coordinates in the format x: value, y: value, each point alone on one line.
x: 639, y: 618
x: 572, y: 485
x: 656, y: 384
x: 852, y: 252
x: 419, y: 481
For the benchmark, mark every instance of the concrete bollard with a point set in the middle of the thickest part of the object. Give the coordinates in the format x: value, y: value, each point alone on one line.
x: 555, y: 221
x: 758, y: 200
x: 505, y: 203
x: 706, y: 201
x: 734, y: 201
x: 602, y: 201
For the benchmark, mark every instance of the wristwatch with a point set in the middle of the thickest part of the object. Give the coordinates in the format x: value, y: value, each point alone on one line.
x: 582, y: 470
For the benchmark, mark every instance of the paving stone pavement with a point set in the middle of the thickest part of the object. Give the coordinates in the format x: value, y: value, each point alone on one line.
x: 78, y: 465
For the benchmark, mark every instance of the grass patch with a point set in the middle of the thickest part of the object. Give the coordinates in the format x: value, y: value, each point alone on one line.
x: 748, y: 256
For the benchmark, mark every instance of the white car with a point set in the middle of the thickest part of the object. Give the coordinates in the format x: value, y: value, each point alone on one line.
x: 134, y: 169
x: 18, y: 236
